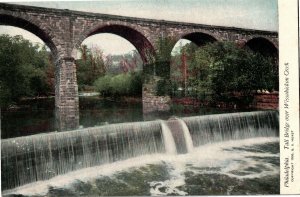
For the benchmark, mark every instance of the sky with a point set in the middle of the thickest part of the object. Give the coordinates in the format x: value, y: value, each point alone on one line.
x: 251, y: 14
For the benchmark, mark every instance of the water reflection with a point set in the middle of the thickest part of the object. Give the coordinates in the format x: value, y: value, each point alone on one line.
x: 38, y: 116
x: 95, y: 111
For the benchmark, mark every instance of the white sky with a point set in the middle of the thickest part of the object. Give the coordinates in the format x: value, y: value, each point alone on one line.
x: 252, y: 14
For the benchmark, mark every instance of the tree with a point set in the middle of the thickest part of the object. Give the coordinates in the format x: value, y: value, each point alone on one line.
x: 90, y: 66
x: 224, y: 70
x: 163, y: 56
x: 229, y: 69
x: 186, y: 70
x: 22, y: 69
x: 160, y: 66
x: 103, y: 85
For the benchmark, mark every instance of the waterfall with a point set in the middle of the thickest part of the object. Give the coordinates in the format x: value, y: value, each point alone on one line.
x: 232, y: 126
x: 187, y: 136
x: 43, y: 156
x: 168, y: 139
x: 40, y: 157
x: 181, y: 135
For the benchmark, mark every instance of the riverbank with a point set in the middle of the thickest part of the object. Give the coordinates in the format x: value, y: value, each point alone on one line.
x: 259, y: 101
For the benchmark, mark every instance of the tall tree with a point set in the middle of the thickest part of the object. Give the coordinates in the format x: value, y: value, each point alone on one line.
x: 229, y: 68
x: 22, y: 69
x: 91, y: 66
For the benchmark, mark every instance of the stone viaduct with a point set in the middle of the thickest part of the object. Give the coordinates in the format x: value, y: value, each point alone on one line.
x: 63, y: 31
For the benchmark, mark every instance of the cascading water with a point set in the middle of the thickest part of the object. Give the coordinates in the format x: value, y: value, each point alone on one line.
x: 181, y: 135
x: 168, y: 139
x: 177, y: 134
x: 187, y: 136
x: 233, y: 126
x: 40, y: 157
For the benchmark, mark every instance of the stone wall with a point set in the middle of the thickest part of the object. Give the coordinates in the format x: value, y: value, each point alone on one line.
x: 266, y: 101
x: 152, y: 102
x: 260, y: 101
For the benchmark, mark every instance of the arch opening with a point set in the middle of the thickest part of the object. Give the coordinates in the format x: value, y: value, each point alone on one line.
x: 28, y: 82
x: 106, y: 54
x: 182, y: 57
x: 139, y: 41
x: 109, y: 76
x: 183, y: 69
x: 267, y: 49
x: 263, y: 46
x: 66, y: 102
x: 199, y: 38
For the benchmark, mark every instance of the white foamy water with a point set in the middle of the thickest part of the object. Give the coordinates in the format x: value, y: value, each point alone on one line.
x: 219, y: 155
x: 168, y: 139
x: 187, y: 136
x: 214, y: 156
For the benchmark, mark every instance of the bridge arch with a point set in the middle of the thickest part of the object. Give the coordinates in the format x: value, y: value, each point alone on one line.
x: 66, y: 93
x: 180, y: 64
x: 268, y: 49
x: 137, y: 39
x: 199, y: 38
x: 32, y: 26
x: 264, y: 46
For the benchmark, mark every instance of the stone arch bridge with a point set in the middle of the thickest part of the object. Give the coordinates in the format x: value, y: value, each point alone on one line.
x: 63, y: 31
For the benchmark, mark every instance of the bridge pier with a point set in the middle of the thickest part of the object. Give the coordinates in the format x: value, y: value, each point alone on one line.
x: 66, y: 95
x: 153, y: 101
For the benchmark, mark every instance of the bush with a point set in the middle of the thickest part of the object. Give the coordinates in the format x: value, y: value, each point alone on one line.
x: 103, y: 85
x: 126, y: 84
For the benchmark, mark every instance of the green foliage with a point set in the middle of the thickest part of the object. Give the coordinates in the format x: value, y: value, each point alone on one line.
x: 164, y: 87
x: 120, y: 85
x: 223, y: 69
x: 164, y: 48
x: 23, y: 69
x: 160, y: 66
x: 163, y: 56
x: 89, y: 67
x: 197, y: 65
x: 103, y: 85
x: 239, y: 70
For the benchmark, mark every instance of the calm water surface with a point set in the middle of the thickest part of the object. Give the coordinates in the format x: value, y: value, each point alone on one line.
x: 37, y: 116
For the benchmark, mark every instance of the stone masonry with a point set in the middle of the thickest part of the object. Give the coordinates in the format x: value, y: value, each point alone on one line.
x: 64, y: 30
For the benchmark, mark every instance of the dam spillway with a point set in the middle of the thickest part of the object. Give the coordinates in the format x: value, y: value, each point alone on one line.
x: 40, y: 157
